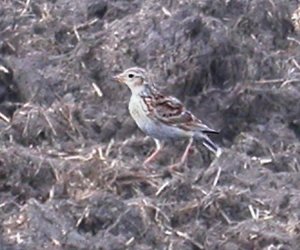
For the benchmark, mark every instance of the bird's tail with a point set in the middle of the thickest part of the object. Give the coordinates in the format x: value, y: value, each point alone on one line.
x: 210, y: 145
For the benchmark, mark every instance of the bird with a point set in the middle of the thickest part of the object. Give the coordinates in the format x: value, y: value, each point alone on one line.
x: 163, y: 117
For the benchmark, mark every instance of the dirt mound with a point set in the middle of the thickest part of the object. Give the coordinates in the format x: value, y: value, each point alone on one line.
x: 71, y: 174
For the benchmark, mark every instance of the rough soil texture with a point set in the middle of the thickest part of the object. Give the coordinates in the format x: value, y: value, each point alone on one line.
x: 71, y: 173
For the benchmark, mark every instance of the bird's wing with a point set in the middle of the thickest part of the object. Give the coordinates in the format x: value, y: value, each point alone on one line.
x: 171, y: 111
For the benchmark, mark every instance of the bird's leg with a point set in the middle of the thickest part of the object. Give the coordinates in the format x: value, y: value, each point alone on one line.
x: 154, y: 154
x: 183, y: 157
x: 186, y: 151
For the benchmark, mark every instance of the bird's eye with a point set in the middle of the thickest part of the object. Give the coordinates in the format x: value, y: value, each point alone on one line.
x: 130, y: 75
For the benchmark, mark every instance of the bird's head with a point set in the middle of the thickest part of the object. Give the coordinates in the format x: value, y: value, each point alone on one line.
x: 135, y: 78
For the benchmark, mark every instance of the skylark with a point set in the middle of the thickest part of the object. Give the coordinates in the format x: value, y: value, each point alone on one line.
x: 163, y: 117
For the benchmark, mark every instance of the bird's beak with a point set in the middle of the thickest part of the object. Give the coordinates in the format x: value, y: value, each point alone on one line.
x: 119, y: 78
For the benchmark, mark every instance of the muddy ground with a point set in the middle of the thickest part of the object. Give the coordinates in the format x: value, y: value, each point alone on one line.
x: 71, y: 173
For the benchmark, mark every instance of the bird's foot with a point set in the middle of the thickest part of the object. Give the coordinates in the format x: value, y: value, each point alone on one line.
x: 153, y: 156
x: 176, y: 167
x: 150, y: 159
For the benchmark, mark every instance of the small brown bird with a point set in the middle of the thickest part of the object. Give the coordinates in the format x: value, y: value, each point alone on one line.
x: 163, y: 117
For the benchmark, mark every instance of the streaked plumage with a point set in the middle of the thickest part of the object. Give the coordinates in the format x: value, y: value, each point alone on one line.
x: 162, y: 117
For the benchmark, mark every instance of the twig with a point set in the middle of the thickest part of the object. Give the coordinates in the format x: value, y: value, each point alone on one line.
x: 158, y: 211
x: 129, y: 242
x: 87, y: 24
x: 265, y: 160
x: 167, y: 183
x: 217, y: 177
x: 4, y: 69
x: 100, y: 154
x: 97, y: 89
x: 4, y: 117
x: 224, y: 215
x: 25, y: 8
x: 293, y: 40
x: 76, y: 33
x: 166, y: 12
x: 284, y: 81
x: 187, y: 237
x: 296, y: 63
x: 255, y: 215
x: 270, y: 81
x: 80, y: 157
x: 85, y: 214
x: 49, y: 123
x: 108, y: 149
x: 289, y: 81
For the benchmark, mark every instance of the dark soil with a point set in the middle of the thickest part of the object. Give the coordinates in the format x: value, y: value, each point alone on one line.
x: 71, y: 173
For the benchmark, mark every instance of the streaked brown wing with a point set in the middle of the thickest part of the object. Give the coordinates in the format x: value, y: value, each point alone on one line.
x: 169, y: 110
